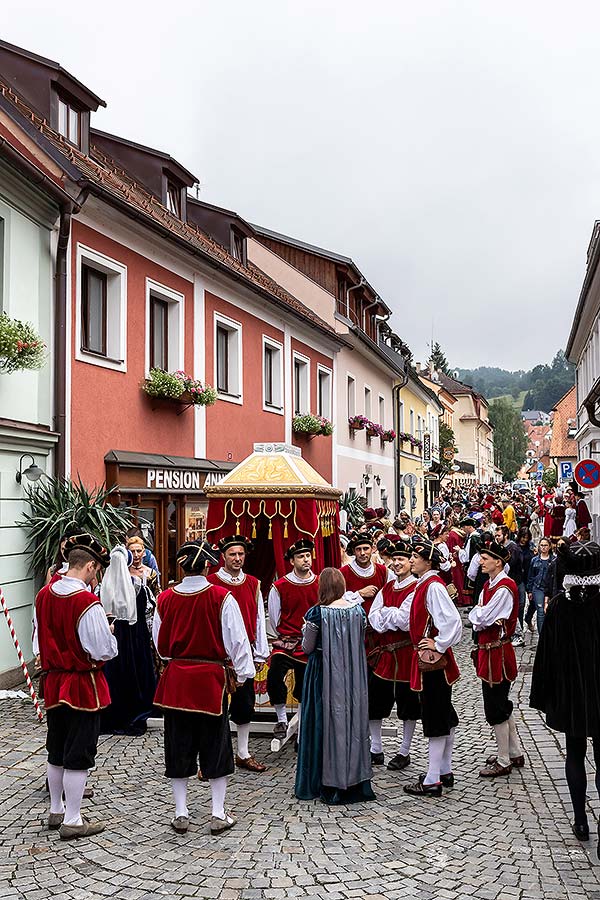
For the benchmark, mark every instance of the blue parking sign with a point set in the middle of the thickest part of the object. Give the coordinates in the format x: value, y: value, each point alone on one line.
x: 566, y: 471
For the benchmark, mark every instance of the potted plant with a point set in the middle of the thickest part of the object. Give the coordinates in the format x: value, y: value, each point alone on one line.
x: 358, y: 423
x: 388, y: 435
x: 21, y: 347
x: 179, y: 387
x: 57, y: 503
x: 374, y: 430
x: 311, y: 425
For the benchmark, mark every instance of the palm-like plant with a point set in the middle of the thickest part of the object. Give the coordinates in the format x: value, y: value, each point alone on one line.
x: 354, y: 507
x: 57, y: 503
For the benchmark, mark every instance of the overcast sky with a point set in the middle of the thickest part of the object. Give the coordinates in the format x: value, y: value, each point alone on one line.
x: 451, y: 149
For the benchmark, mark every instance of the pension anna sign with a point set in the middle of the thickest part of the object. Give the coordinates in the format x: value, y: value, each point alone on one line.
x: 181, y: 479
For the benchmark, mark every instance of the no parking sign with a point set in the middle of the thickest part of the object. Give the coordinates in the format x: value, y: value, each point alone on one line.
x: 587, y: 473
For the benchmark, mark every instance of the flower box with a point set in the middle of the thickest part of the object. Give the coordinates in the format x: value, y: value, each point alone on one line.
x: 388, y: 436
x: 178, y: 388
x: 309, y: 425
x: 358, y: 423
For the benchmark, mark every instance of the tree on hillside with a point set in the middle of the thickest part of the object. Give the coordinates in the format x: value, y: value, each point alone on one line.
x: 545, y: 384
x: 438, y: 359
x: 510, y: 439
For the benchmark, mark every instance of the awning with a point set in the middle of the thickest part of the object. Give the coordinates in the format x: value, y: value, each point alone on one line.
x: 464, y: 467
x: 160, y: 461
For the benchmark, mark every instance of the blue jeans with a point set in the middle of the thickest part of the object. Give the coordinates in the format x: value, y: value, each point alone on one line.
x: 538, y: 600
x: 522, y: 598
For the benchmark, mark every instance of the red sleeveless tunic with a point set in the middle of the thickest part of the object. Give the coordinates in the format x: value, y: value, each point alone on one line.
x: 247, y: 594
x: 355, y: 582
x: 296, y: 600
x: 191, y: 637
x: 71, y: 676
x: 394, y: 664
x: 419, y: 620
x: 496, y: 664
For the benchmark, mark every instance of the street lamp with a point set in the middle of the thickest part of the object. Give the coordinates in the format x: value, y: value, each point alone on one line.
x: 31, y: 473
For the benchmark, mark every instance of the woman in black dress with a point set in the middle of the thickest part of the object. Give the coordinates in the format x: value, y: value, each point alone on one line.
x: 566, y: 673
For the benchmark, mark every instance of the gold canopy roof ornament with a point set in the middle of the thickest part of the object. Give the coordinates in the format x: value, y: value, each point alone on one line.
x: 274, y: 470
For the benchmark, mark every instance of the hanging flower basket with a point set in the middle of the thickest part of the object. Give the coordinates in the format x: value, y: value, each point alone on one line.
x: 388, y: 436
x: 374, y: 430
x: 178, y: 388
x: 311, y: 426
x: 358, y: 423
x: 21, y: 347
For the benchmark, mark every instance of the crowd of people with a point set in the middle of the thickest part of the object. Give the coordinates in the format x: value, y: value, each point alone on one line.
x: 377, y: 633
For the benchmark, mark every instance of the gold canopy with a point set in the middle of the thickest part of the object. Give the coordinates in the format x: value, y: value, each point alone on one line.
x: 273, y: 470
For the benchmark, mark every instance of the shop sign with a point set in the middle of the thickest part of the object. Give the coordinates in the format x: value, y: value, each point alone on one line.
x: 181, y: 479
x: 427, y: 449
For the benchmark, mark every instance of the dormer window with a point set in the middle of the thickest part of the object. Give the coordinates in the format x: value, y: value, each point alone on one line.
x: 174, y: 198
x: 238, y: 246
x: 69, y: 124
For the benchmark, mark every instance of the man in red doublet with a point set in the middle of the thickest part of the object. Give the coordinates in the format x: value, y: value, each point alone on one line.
x: 434, y: 625
x: 363, y: 577
x: 246, y: 590
x: 494, y: 620
x: 74, y: 639
x: 289, y: 599
x: 390, y: 659
x: 199, y: 630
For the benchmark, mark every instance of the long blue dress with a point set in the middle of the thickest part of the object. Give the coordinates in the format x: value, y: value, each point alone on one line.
x: 334, y: 760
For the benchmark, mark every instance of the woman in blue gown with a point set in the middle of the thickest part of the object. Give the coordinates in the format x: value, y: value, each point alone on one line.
x: 334, y: 759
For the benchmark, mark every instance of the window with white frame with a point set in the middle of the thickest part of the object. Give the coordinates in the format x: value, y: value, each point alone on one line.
x: 412, y: 421
x: 165, y: 327
x: 324, y: 392
x: 228, y: 358
x: 69, y: 124
x: 301, y: 385
x: 382, y: 411
x: 272, y: 375
x: 101, y: 310
x: 419, y: 427
x: 351, y: 395
x: 368, y: 402
x: 400, y: 416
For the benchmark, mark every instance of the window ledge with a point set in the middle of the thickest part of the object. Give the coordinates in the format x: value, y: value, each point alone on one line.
x: 231, y: 398
x: 277, y: 410
x: 97, y: 359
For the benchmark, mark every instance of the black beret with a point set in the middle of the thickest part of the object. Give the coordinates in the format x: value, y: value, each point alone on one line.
x: 302, y: 545
x: 426, y: 550
x: 401, y: 548
x: 357, y: 540
x: 87, y: 542
x: 580, y: 558
x: 235, y: 540
x: 467, y: 521
x: 497, y: 551
x: 192, y: 556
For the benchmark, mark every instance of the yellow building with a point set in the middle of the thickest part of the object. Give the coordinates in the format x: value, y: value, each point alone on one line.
x: 418, y: 413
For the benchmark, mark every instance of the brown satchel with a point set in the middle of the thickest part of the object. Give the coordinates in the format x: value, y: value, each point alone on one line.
x: 430, y: 660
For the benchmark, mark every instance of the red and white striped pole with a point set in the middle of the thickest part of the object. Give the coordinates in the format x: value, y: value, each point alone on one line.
x: 11, y: 628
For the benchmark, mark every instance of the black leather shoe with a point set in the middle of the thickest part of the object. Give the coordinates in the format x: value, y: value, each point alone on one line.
x: 446, y: 780
x: 581, y: 832
x: 418, y: 789
x: 399, y: 762
x: 377, y: 759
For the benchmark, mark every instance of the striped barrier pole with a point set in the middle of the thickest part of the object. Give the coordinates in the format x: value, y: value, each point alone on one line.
x: 11, y: 628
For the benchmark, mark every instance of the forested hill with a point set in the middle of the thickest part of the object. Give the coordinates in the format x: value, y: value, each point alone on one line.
x: 544, y: 384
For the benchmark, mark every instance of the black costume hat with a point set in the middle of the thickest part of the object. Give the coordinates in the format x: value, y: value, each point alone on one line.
x: 235, y: 540
x: 400, y: 548
x: 497, y: 551
x: 467, y: 521
x: 70, y: 530
x: 580, y: 559
x: 87, y: 542
x: 424, y: 548
x: 357, y: 540
x: 303, y: 545
x: 192, y: 556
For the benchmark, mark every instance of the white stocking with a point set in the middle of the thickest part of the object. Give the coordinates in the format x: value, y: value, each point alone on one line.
x: 55, y: 786
x: 243, y: 734
x: 514, y: 744
x: 218, y: 787
x: 436, y: 753
x: 281, y: 712
x: 446, y: 766
x: 502, y: 736
x: 179, y: 787
x: 375, y: 731
x: 407, y: 736
x: 74, y: 784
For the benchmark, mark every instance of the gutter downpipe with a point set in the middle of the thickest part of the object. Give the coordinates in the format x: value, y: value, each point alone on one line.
x: 396, y: 407
x: 353, y: 287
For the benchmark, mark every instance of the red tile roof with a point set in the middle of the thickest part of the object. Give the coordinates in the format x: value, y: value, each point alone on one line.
x: 562, y: 446
x: 113, y: 183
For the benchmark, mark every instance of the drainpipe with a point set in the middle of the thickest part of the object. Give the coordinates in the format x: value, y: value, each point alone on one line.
x: 375, y: 302
x: 60, y: 340
x: 396, y: 407
x: 354, y: 287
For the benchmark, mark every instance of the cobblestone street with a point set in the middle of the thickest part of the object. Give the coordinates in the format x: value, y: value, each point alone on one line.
x: 501, y: 841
